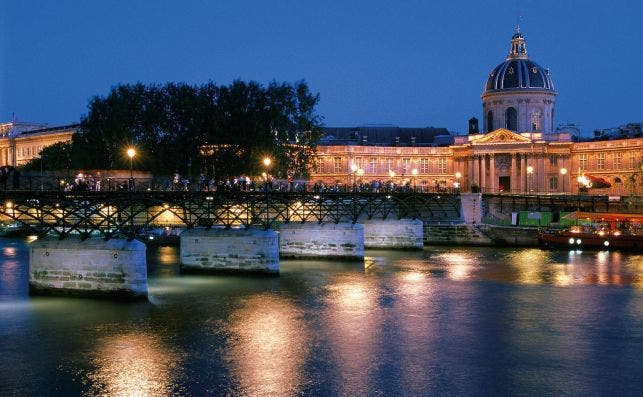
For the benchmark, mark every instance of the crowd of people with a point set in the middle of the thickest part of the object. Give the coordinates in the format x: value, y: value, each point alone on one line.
x: 10, y: 178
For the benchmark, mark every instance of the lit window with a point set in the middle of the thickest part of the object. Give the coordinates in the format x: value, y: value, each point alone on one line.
x: 373, y: 165
x: 337, y: 165
x: 442, y: 165
x: 536, y: 120
x: 406, y: 166
x: 424, y: 166
x: 600, y: 163
x: 617, y: 160
x: 582, y: 161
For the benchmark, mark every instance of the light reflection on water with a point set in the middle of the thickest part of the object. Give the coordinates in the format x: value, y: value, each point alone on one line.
x: 268, y: 346
x: 133, y: 364
x: 446, y: 320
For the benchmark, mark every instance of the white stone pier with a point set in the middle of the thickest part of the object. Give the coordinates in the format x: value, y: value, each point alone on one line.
x: 393, y: 234
x: 235, y: 250
x: 115, y: 268
x: 326, y: 240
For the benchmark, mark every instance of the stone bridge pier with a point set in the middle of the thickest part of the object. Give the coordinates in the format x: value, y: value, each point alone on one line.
x: 115, y: 268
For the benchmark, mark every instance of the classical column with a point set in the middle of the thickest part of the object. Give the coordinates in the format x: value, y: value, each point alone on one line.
x: 513, y: 182
x: 483, y: 172
x: 476, y: 170
x: 492, y: 173
x: 541, y: 177
x: 469, y: 177
x: 523, y: 172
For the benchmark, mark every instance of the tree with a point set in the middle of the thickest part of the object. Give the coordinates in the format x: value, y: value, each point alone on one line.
x: 241, y: 123
x: 53, y: 157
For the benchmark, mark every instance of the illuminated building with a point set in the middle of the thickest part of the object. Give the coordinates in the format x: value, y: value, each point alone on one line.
x: 518, y: 152
x: 21, y: 142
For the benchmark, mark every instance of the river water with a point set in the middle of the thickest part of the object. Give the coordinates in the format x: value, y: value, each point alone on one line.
x: 447, y: 320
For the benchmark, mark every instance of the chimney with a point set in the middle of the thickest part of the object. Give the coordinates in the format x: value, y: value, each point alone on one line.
x: 473, y: 126
x: 397, y: 141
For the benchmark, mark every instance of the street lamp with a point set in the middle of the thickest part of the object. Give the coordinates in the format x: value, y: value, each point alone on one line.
x: 458, y: 175
x: 360, y: 173
x: 131, y: 153
x: 266, y: 163
x: 414, y: 172
x: 563, y: 172
x: 530, y: 170
x: 353, y: 169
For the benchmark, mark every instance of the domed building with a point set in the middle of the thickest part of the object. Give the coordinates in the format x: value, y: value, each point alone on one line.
x: 517, y: 152
x: 519, y: 94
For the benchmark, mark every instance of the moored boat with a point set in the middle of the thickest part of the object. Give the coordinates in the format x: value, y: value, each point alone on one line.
x: 597, y: 230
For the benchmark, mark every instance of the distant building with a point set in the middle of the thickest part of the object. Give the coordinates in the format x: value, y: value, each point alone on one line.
x: 20, y: 142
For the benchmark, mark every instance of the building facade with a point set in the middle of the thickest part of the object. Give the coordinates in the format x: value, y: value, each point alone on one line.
x: 518, y: 151
x: 22, y: 142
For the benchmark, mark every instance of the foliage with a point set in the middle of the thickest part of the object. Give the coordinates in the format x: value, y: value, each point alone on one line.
x: 53, y: 157
x: 241, y: 124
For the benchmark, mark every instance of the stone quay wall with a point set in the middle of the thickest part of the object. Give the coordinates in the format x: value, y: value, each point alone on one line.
x: 115, y: 268
x: 393, y: 234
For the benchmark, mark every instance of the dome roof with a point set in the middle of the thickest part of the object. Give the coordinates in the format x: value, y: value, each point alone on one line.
x: 518, y: 72
x: 515, y: 74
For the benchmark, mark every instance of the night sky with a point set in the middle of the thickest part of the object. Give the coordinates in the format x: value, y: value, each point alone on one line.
x: 407, y: 63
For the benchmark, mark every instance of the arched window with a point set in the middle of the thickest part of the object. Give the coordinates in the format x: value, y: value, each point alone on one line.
x: 489, y: 121
x: 511, y: 119
x: 618, y: 180
x: 536, y: 123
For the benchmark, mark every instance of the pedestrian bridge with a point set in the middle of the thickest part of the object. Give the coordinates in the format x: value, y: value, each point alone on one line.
x: 126, y: 213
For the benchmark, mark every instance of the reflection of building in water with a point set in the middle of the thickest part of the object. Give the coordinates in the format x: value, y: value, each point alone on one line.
x: 355, y: 324
x: 21, y: 142
x: 517, y: 151
x: 134, y: 364
x: 270, y: 346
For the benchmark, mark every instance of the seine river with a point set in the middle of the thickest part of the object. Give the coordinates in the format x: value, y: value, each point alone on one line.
x: 448, y: 320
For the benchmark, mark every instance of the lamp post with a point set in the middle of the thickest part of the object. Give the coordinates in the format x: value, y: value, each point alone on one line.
x: 391, y: 174
x: 131, y: 152
x: 266, y: 163
x: 360, y: 173
x: 563, y: 172
x: 414, y: 172
x: 458, y: 175
x: 530, y: 170
x: 353, y: 169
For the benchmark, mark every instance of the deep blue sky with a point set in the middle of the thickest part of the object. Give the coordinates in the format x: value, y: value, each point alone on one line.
x: 409, y: 63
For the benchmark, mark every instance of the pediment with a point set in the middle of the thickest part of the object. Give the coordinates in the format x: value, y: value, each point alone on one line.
x: 501, y: 135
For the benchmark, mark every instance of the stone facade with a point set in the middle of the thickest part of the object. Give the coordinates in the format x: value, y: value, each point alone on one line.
x: 22, y: 142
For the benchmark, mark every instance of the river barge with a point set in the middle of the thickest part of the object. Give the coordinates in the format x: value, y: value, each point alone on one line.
x: 600, y: 230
